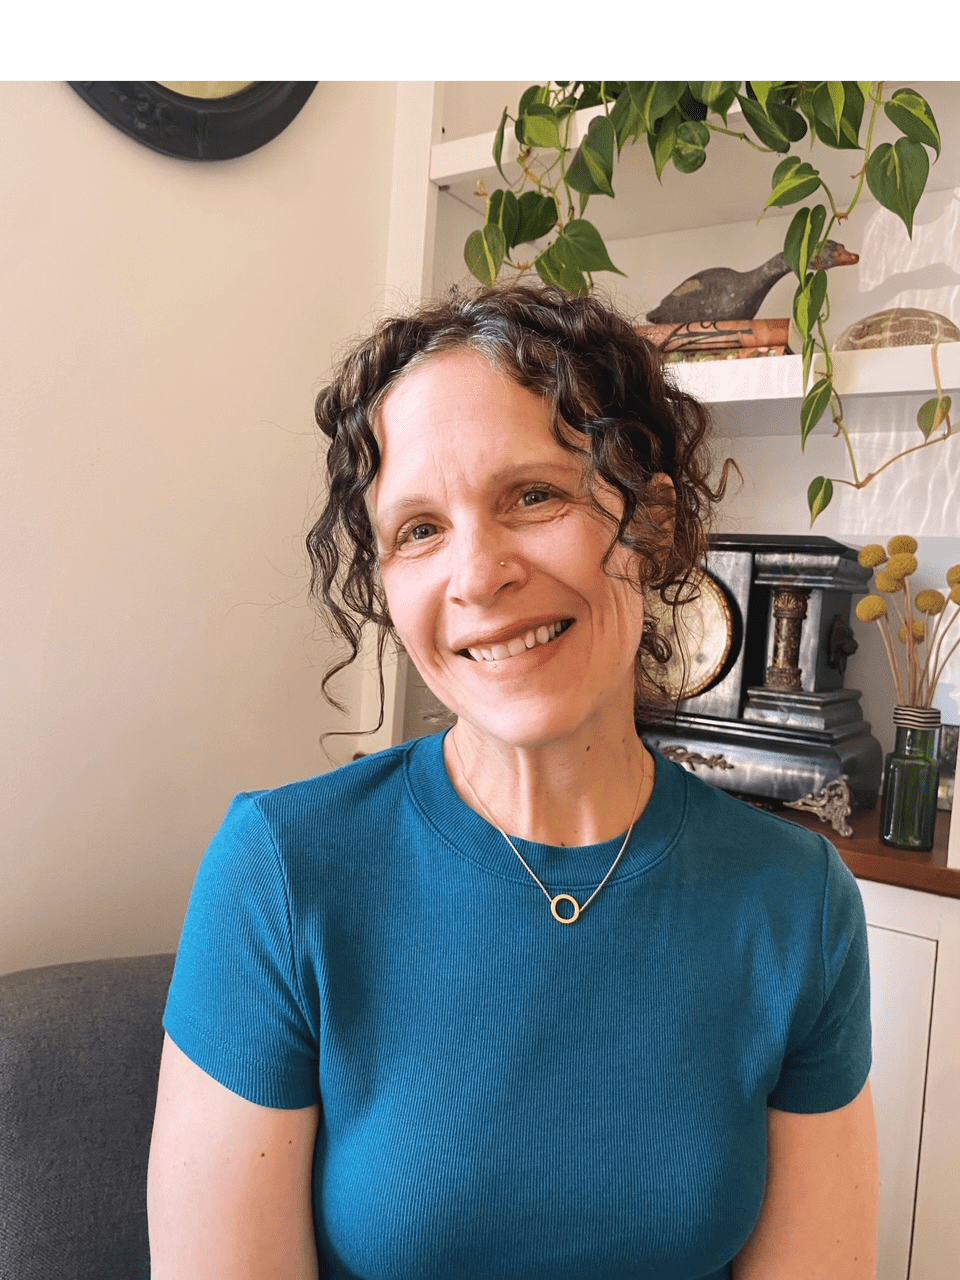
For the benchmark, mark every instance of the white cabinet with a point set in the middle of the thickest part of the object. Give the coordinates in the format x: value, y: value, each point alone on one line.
x: 915, y: 977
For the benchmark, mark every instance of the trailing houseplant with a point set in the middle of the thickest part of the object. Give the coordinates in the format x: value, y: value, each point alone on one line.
x: 557, y: 179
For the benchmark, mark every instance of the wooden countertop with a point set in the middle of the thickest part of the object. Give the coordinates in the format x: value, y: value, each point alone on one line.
x: 869, y: 859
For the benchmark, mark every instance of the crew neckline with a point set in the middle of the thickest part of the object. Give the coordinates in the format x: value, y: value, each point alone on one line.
x: 560, y: 867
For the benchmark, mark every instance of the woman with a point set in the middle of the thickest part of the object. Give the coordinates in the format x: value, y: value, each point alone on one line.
x: 520, y: 1000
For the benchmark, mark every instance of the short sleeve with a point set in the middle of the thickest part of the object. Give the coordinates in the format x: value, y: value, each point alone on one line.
x: 235, y: 1005
x: 829, y: 1063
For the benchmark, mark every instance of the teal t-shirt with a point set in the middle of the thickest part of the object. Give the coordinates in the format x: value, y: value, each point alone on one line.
x: 502, y: 1095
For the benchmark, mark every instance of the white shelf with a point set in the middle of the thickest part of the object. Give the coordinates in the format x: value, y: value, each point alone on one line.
x: 885, y: 372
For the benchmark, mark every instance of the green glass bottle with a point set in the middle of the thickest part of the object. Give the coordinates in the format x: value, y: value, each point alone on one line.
x: 911, y: 775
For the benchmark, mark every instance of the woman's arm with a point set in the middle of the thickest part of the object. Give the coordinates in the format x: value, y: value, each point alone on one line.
x: 820, y: 1210
x: 229, y: 1193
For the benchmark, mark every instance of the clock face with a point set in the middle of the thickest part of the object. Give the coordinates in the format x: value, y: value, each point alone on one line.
x: 700, y: 635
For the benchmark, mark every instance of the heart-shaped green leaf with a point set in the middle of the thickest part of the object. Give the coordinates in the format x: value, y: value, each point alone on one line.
x: 541, y: 127
x: 793, y: 180
x: 538, y: 215
x: 933, y: 414
x: 818, y: 294
x: 814, y: 406
x: 554, y: 270
x: 761, y: 89
x: 819, y: 495
x: 897, y: 176
x: 688, y: 159
x: 913, y: 117
x: 838, y: 112
x: 803, y: 235
x: 689, y: 148
x: 654, y: 98
x: 596, y: 155
x: 498, y: 144
x: 503, y: 211
x: 626, y: 119
x: 777, y: 128
x: 717, y: 95
x: 535, y: 93
x: 663, y: 140
x: 809, y: 350
x: 808, y: 303
x: 484, y: 253
x: 580, y: 244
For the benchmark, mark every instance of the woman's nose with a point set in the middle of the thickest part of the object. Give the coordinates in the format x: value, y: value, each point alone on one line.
x: 482, y: 565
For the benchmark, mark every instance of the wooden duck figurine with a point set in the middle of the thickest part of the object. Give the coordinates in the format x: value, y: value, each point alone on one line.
x: 720, y: 293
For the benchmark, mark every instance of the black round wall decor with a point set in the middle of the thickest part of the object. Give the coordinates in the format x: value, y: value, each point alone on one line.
x: 197, y: 128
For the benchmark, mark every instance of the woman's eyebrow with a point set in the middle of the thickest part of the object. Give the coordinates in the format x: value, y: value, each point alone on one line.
x: 529, y: 469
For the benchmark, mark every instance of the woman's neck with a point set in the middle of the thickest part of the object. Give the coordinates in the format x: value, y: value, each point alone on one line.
x: 568, y: 794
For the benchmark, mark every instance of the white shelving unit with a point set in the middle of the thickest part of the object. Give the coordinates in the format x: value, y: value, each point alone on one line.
x: 914, y: 937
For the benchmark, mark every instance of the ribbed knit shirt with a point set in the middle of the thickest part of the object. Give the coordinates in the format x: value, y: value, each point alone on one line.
x: 503, y: 1096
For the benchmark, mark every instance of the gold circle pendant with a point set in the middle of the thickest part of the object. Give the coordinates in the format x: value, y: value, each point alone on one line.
x: 565, y: 897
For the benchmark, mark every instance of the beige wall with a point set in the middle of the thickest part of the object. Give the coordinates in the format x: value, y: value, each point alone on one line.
x: 165, y: 325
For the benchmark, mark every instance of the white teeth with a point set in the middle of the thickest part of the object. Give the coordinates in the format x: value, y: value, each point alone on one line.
x: 519, y: 644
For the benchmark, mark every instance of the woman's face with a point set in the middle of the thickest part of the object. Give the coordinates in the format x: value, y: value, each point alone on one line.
x: 491, y: 559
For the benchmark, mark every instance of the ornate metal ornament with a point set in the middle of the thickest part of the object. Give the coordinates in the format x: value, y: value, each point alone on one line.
x: 831, y: 804
x: 680, y: 755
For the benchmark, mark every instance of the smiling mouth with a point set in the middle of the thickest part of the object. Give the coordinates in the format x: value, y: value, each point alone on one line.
x: 519, y: 644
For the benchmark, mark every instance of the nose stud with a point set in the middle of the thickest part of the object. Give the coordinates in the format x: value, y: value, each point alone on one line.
x: 503, y: 564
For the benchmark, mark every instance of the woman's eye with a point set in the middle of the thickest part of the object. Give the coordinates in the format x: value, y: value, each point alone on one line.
x: 534, y: 497
x: 419, y: 532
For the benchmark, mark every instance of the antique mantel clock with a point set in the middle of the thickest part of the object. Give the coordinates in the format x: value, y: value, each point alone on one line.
x: 765, y: 648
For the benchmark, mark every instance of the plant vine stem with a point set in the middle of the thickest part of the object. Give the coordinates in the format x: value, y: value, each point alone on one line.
x: 877, y: 100
x: 837, y: 216
x: 827, y: 372
x: 732, y: 133
x: 925, y: 444
x: 896, y: 458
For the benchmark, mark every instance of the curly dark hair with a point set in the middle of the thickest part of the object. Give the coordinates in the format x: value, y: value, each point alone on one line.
x: 600, y: 377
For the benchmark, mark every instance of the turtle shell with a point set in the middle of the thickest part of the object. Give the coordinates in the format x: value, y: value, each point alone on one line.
x: 898, y: 327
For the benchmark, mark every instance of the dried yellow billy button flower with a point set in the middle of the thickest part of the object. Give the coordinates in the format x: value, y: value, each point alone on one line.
x: 870, y: 608
x: 919, y: 631
x: 955, y: 593
x: 887, y: 582
x: 953, y: 575
x: 902, y: 542
x: 931, y: 601
x: 872, y: 555
x: 901, y: 565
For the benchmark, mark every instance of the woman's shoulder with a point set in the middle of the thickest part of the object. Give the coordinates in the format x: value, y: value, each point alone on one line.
x: 728, y: 837
x: 344, y: 795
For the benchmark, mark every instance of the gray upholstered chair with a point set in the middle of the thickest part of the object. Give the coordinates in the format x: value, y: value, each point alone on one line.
x: 79, y: 1056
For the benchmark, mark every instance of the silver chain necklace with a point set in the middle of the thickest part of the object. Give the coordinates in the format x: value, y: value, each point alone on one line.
x: 556, y: 899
